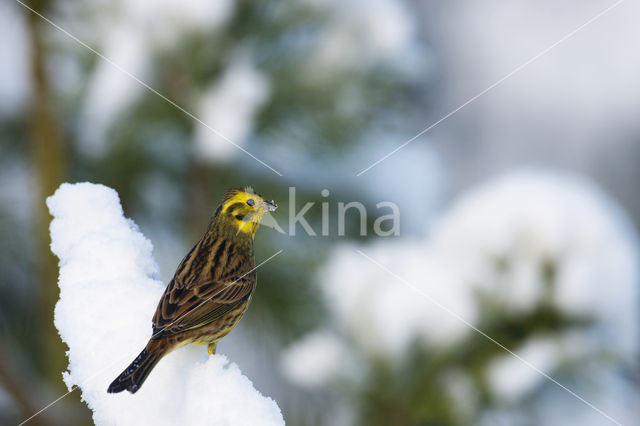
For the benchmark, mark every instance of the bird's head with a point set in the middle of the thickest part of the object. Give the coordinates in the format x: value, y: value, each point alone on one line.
x: 244, y: 208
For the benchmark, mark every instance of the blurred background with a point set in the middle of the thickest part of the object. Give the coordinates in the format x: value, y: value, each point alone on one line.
x: 518, y: 213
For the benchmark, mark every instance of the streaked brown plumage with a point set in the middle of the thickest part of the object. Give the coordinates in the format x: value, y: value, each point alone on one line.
x: 210, y: 290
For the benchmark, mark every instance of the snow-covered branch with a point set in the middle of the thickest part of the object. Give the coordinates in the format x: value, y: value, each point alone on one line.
x: 109, y: 289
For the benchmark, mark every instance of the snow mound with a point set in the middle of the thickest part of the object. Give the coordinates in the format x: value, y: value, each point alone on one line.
x: 108, y: 293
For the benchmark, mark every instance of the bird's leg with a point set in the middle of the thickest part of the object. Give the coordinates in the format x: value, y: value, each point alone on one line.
x: 211, y: 348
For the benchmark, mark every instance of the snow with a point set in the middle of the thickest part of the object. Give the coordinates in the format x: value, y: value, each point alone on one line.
x: 165, y: 21
x: 381, y: 313
x: 133, y: 31
x: 356, y: 36
x: 531, y: 217
x: 495, y: 240
x: 129, y: 33
x: 230, y: 106
x: 110, y: 91
x: 314, y: 359
x: 108, y: 293
x: 510, y: 381
x: 14, y: 59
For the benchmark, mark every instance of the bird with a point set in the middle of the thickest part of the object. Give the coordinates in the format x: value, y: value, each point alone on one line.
x: 210, y: 290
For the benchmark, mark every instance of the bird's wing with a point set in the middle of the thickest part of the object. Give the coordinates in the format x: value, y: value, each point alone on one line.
x: 184, y: 308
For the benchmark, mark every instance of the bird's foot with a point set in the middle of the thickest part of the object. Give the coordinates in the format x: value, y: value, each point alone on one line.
x: 211, y: 348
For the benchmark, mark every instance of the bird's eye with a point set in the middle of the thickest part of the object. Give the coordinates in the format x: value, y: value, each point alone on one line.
x: 251, y: 202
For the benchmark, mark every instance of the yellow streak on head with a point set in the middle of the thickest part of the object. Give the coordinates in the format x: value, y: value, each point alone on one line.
x: 244, y: 216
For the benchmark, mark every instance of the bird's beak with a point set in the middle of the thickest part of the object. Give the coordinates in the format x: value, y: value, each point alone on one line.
x: 269, y: 205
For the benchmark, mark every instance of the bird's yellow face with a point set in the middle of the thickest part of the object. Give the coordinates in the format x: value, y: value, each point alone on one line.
x: 245, y: 209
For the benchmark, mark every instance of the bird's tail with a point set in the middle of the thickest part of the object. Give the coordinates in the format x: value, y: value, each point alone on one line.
x: 136, y: 373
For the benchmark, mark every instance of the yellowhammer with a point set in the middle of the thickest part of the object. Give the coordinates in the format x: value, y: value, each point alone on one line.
x: 210, y: 290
